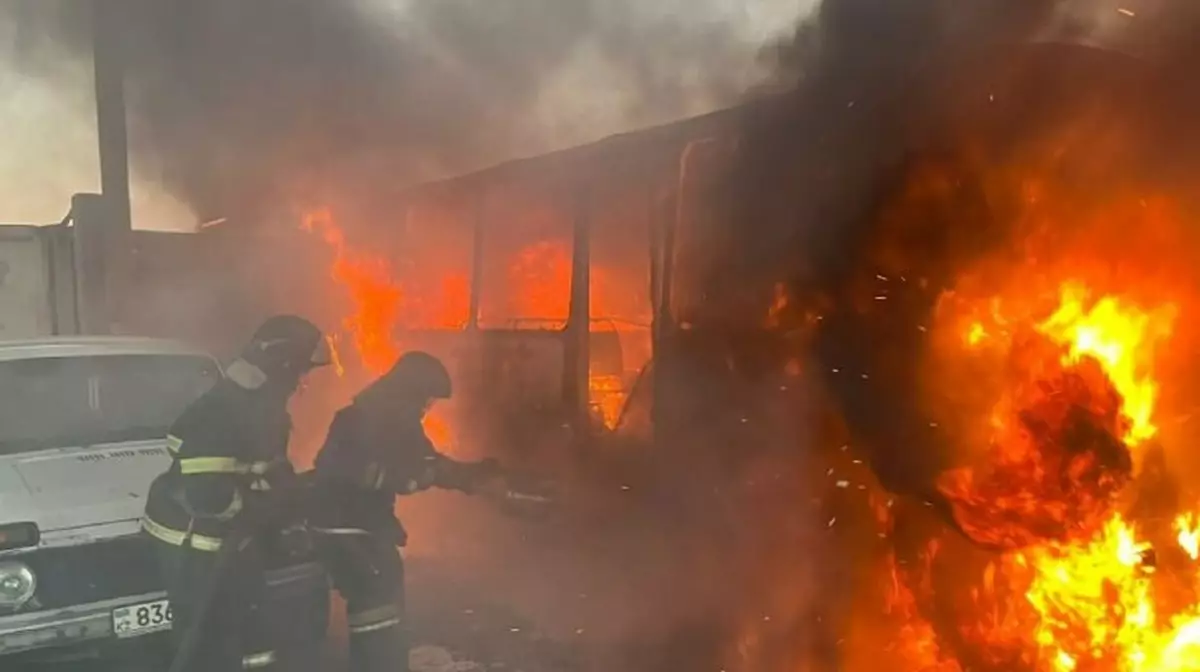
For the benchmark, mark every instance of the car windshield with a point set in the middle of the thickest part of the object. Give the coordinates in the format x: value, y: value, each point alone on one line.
x: 79, y: 401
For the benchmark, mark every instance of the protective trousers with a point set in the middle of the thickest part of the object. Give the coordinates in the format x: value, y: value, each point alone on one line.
x: 233, y: 633
x: 368, y: 571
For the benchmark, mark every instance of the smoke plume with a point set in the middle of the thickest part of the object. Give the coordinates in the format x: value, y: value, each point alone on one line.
x: 236, y: 106
x: 884, y: 89
x: 881, y: 91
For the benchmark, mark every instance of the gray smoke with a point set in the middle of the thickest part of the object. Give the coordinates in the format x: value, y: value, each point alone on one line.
x: 873, y: 80
x: 880, y: 88
x: 885, y: 89
x: 235, y: 106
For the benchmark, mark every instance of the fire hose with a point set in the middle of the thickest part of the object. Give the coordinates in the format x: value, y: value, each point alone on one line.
x: 232, y: 545
x: 517, y: 502
x: 237, y: 541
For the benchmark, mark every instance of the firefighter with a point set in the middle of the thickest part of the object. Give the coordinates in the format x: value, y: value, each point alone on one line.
x: 222, y: 497
x: 377, y: 449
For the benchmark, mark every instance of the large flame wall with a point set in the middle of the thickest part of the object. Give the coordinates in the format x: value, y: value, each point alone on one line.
x: 1007, y: 324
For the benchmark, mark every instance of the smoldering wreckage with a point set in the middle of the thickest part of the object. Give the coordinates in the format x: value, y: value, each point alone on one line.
x: 892, y: 371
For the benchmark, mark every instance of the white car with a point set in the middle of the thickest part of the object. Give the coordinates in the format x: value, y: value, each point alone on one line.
x: 83, y: 422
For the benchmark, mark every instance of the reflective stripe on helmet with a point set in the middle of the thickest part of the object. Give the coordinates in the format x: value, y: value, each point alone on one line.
x: 174, y: 537
x: 174, y: 443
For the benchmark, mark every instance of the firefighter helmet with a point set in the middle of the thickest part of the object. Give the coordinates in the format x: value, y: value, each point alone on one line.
x: 419, y: 375
x: 286, y: 345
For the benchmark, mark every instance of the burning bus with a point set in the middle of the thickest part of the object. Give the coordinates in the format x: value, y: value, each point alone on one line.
x: 999, y: 256
x: 544, y: 283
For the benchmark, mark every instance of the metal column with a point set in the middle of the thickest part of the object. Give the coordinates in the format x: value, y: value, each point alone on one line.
x: 107, y: 24
x: 578, y: 332
x: 480, y: 223
x: 104, y: 226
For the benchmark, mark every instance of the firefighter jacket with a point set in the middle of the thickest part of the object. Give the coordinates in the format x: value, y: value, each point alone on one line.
x: 370, y: 457
x: 228, y: 449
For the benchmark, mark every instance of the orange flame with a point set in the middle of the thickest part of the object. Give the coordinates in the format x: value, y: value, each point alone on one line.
x: 537, y: 288
x: 376, y: 300
x: 1098, y: 600
x: 375, y: 296
x: 1120, y: 337
x: 916, y: 643
x: 1123, y: 339
x: 540, y: 282
x: 335, y: 355
x: 1097, y: 607
x: 1189, y: 534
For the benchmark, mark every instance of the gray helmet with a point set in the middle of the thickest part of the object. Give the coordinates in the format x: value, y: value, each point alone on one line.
x: 419, y: 375
x: 287, y: 345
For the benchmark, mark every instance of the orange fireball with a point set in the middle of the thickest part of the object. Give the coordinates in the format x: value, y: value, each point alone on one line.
x: 1079, y: 393
x: 1077, y: 404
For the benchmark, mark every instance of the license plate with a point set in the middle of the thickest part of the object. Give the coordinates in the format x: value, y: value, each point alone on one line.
x: 141, y: 619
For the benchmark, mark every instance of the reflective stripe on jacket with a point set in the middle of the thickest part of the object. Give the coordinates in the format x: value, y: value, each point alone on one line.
x: 226, y: 446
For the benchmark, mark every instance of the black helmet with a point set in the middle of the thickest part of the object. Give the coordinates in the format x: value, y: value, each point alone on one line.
x: 286, y: 345
x: 418, y: 375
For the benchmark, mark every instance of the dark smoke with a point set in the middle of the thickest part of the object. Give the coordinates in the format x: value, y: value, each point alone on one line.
x: 240, y: 105
x: 887, y: 89
x: 885, y: 93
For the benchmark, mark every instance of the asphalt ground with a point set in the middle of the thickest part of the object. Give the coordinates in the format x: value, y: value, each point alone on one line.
x: 454, y: 630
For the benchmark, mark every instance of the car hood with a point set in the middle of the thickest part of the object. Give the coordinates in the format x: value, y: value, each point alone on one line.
x: 68, y: 489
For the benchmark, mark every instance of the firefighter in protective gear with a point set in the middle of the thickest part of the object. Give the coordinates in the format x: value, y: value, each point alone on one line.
x: 230, y: 452
x: 376, y: 449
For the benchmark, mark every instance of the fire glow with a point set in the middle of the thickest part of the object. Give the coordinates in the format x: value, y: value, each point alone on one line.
x: 1075, y: 584
x: 376, y: 298
x: 538, y: 281
x: 1121, y: 338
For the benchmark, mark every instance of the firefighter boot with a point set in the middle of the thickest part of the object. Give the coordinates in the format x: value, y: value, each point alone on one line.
x: 378, y: 640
